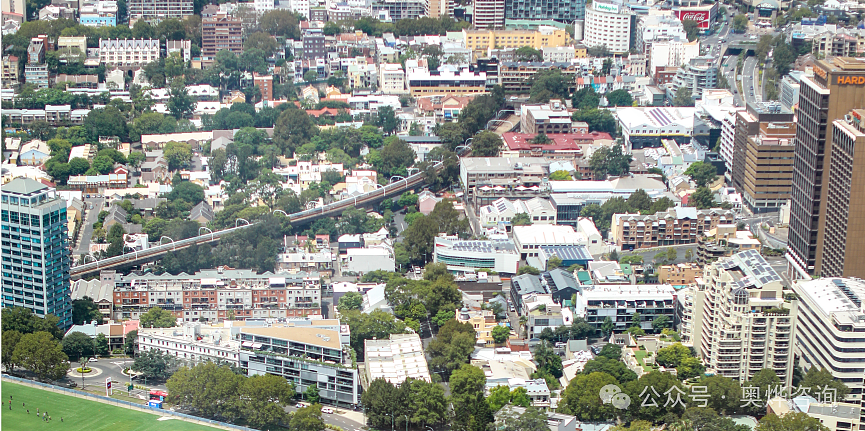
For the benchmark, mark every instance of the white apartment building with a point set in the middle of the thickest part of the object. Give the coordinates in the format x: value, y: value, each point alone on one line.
x: 391, y: 79
x: 395, y: 359
x: 608, y: 24
x: 128, y: 52
x: 728, y: 132
x: 262, y: 6
x: 539, y: 210
x: 829, y: 329
x: 529, y: 239
x: 620, y: 302
x: 194, y: 342
x: 656, y: 26
x: 468, y: 256
x: 489, y: 14
x: 559, y: 54
x: 738, y: 320
x: 154, y: 11
x: 671, y: 53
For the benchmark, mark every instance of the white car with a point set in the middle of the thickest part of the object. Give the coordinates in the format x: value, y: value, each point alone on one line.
x: 93, y: 360
x: 299, y: 405
x: 327, y: 410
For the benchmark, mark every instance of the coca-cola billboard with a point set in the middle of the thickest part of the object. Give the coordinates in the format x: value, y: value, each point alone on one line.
x: 701, y: 16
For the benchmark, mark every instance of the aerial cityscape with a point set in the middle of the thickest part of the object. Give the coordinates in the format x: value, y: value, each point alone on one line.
x: 433, y: 215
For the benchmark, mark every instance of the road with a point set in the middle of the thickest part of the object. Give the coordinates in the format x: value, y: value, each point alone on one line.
x: 90, y: 216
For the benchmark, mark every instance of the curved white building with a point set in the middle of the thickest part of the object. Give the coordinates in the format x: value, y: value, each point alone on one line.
x: 608, y: 24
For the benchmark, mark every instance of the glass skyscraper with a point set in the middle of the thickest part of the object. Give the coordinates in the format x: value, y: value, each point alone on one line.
x: 35, y: 257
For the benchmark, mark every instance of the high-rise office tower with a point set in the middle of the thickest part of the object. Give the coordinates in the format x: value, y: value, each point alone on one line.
x: 34, y: 249
x: 827, y: 236
x: 559, y: 10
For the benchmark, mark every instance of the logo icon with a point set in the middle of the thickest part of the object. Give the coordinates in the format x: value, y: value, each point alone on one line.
x: 611, y: 394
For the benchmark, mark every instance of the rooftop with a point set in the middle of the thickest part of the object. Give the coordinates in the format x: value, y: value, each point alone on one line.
x: 840, y: 298
x: 307, y: 335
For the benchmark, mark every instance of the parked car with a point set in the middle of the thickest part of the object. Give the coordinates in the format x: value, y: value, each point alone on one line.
x: 299, y: 405
x: 327, y: 410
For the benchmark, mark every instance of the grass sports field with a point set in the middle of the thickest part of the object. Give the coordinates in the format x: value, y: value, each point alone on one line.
x: 78, y: 414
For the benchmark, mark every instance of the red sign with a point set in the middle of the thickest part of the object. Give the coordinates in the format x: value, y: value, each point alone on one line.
x: 701, y: 16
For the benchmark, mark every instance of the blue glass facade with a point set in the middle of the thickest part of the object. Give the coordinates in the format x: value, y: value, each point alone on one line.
x: 35, y: 256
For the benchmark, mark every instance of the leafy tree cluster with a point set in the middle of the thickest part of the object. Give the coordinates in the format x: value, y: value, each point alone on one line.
x: 682, y: 358
x: 610, y: 162
x: 215, y: 391
x: 471, y: 411
x: 417, y: 299
x: 420, y: 235
x: 451, y: 348
x: 473, y: 118
x: 639, y: 202
x: 420, y: 403
x: 702, y: 173
x: 549, y: 84
x: 549, y: 365
x: 377, y: 324
x: 37, y: 352
x: 406, y: 27
x: 579, y: 330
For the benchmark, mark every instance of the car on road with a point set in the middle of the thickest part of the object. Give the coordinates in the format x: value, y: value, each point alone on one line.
x: 93, y: 360
x: 740, y: 217
x: 327, y: 410
x: 299, y: 405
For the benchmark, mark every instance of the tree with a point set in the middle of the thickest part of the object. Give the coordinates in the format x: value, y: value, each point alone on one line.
x: 640, y: 200
x: 521, y: 219
x: 102, y: 345
x: 528, y: 269
x: 157, y: 318
x: 683, y: 97
x: 560, y: 176
x: 586, y: 98
x: 702, y: 173
x: 77, y: 345
x: 154, y: 364
x: 188, y: 192
x: 500, y: 334
x: 386, y: 119
x: 25, y: 321
x: 427, y: 402
x: 129, y: 343
x: 527, y: 53
x: 107, y: 121
x: 582, y: 397
x: 499, y: 397
x: 682, y: 359
x: 307, y: 419
x: 599, y: 120
x: 660, y: 322
x: 783, y: 57
x: 547, y: 84
x: 645, y: 405
x: 608, y: 326
x: 620, y: 97
x: 350, y: 301
x: 84, y: 310
x: 311, y: 394
x: 610, y: 161
x: 293, y: 128
x: 820, y: 381
x: 740, y: 23
x: 467, y: 393
x: 41, y: 354
x: 180, y: 103
x: 553, y: 263
x: 452, y: 348
x: 692, y: 29
x: 486, y: 144
x: 703, y: 198
x: 208, y: 389
x: 11, y: 338
x: 310, y: 76
x: 177, y: 154
x: 613, y: 367
x: 531, y: 419
x: 265, y: 399
x: 724, y: 394
x: 790, y: 421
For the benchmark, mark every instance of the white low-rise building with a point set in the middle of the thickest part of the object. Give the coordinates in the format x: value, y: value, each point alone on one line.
x: 470, y: 256
x: 620, y: 302
x: 194, y: 342
x: 539, y: 210
x: 396, y: 359
x: 364, y: 260
x: 529, y: 239
x: 128, y: 52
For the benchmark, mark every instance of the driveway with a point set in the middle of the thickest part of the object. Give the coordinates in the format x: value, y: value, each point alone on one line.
x: 90, y: 216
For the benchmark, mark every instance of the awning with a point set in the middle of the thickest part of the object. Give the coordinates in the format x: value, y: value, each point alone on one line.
x: 246, y: 344
x: 521, y: 188
x: 486, y: 188
x: 498, y: 188
x: 256, y: 345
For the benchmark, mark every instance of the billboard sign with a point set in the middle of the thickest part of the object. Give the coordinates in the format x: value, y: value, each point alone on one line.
x: 606, y: 7
x: 701, y: 16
